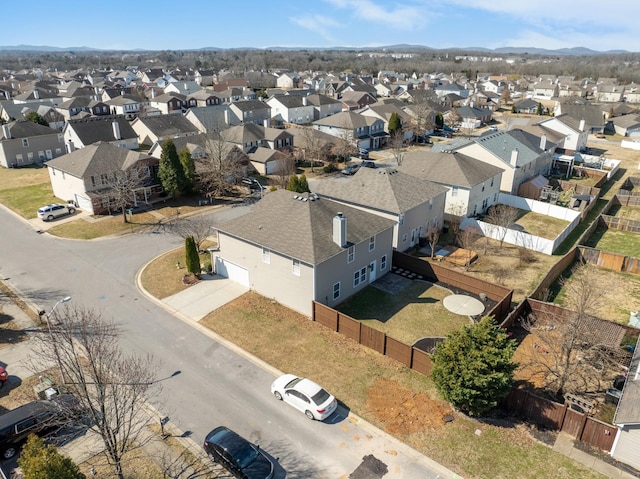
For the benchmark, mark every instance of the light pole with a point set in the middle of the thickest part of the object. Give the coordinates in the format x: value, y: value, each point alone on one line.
x: 66, y: 299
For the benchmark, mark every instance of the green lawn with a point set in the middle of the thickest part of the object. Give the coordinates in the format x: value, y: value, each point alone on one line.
x: 616, y: 241
x: 25, y: 200
x: 86, y: 229
x: 414, y: 313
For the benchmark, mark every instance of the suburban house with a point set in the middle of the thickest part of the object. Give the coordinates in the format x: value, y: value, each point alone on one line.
x: 127, y: 105
x: 287, y: 80
x: 574, y: 133
x: 609, y: 93
x: 323, y: 106
x: 364, y: 131
x: 198, y: 145
x: 414, y: 204
x: 251, y: 135
x: 331, y: 251
x: 626, y: 125
x: 26, y: 143
x: 113, y: 129
x: 384, y: 112
x: 526, y: 105
x: 70, y: 108
x: 356, y: 100
x: 85, y: 177
x: 518, y: 153
x: 185, y: 88
x: 580, y: 111
x: 208, y: 119
x: 473, y: 117
x: 627, y: 416
x: 472, y: 185
x: 10, y: 111
x: 291, y: 109
x: 265, y: 160
x: 249, y: 111
x: 168, y: 103
x: 154, y: 128
x: 545, y: 90
x: 202, y: 98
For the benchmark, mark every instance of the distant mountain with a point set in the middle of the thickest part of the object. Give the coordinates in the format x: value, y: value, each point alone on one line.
x: 44, y: 48
x: 576, y: 51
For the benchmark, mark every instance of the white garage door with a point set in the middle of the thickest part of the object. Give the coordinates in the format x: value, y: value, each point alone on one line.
x: 232, y: 271
x: 84, y: 203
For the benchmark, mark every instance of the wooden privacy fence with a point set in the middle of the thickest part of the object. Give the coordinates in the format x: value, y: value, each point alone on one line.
x: 607, y: 260
x: 560, y: 417
x: 411, y: 357
x: 439, y: 274
x: 620, y: 223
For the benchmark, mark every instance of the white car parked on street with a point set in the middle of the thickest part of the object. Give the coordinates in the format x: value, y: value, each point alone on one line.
x: 304, y: 395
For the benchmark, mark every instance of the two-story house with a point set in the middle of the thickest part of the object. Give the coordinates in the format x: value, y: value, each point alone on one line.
x: 361, y: 131
x: 332, y: 252
x: 26, y: 143
x: 249, y: 111
x: 113, y: 129
x: 151, y: 129
x: 291, y: 109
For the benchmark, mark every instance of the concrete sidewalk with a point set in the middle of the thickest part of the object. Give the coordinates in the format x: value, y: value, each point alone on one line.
x: 565, y: 445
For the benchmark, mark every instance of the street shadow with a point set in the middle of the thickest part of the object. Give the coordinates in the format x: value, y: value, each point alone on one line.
x: 297, y: 467
x: 8, y: 335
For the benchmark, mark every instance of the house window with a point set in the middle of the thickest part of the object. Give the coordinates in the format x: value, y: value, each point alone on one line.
x: 372, y: 243
x: 454, y: 191
x: 495, y: 197
x: 359, y: 277
x: 25, y: 142
x: 383, y: 263
x: 336, y: 290
x: 60, y: 138
x: 41, y: 155
x: 295, y: 267
x: 30, y: 157
x: 430, y: 204
x: 351, y: 254
x: 93, y: 180
x: 266, y: 256
x: 19, y: 159
x: 482, y: 186
x: 404, y: 238
x: 492, y: 181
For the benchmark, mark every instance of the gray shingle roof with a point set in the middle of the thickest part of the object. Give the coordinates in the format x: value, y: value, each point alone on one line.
x: 250, y: 105
x: 383, y: 189
x: 302, y: 229
x: 454, y: 169
x: 27, y: 129
x: 167, y: 125
x: 100, y: 128
x: 628, y: 411
x: 95, y: 159
x: 502, y: 144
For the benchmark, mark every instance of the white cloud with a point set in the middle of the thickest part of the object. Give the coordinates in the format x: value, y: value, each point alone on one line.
x: 320, y: 24
x: 401, y: 17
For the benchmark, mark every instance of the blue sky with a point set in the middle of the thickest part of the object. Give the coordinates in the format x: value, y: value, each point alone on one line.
x: 192, y: 24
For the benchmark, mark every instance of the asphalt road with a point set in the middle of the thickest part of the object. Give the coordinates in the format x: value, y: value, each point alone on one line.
x: 216, y: 386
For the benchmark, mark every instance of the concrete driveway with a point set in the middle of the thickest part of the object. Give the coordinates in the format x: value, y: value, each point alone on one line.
x: 212, y: 292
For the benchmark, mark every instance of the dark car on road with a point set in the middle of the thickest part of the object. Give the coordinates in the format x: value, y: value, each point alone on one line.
x: 237, y: 455
x: 368, y: 164
x: 350, y: 169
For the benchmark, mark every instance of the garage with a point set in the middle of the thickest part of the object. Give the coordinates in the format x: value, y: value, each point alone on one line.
x: 232, y: 271
x: 84, y: 203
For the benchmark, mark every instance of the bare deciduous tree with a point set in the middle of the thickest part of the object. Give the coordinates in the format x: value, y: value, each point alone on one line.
x: 569, y: 354
x: 121, y: 183
x: 502, y: 217
x: 197, y: 227
x: 397, y: 146
x: 109, y: 385
x: 284, y: 168
x: 467, y: 239
x: 433, y: 235
x: 224, y: 163
x: 422, y: 114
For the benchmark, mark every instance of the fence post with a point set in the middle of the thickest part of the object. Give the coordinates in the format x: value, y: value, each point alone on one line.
x: 583, y: 423
x: 564, y: 415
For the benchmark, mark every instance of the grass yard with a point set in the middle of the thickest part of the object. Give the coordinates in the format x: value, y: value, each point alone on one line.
x: 541, y: 225
x: 252, y: 322
x: 414, y: 313
x: 18, y: 177
x: 87, y: 229
x: 631, y: 212
x: 616, y: 241
x: 25, y: 200
x: 619, y: 296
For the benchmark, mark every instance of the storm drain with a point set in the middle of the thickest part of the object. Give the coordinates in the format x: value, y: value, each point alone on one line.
x: 370, y: 468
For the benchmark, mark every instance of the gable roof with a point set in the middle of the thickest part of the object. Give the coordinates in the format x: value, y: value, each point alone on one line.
x: 212, y: 117
x: 26, y: 129
x: 94, y: 129
x: 309, y: 226
x: 628, y: 410
x: 448, y: 168
x: 95, y: 159
x: 383, y: 189
x: 250, y: 105
x: 346, y: 120
x: 502, y: 143
x: 166, y: 125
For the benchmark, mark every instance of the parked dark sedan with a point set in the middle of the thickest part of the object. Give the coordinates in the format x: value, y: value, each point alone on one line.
x: 237, y: 455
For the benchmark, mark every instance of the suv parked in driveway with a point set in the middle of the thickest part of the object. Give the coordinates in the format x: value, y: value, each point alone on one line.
x: 55, y: 210
x: 237, y: 455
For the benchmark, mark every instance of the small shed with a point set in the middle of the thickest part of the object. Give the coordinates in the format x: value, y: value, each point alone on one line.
x: 531, y: 189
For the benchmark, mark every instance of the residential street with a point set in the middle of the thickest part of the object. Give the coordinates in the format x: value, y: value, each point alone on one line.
x: 216, y: 385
